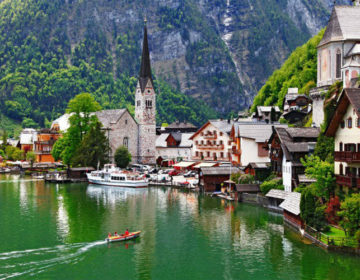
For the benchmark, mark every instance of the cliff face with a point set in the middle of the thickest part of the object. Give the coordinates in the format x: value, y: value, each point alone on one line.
x: 220, y: 51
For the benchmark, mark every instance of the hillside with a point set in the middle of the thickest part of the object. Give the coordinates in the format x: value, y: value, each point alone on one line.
x: 218, y: 51
x: 299, y: 70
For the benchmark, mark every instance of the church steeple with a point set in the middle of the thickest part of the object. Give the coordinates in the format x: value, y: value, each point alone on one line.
x: 145, y: 69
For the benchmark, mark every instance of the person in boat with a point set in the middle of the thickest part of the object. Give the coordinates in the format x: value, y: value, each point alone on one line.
x: 126, y: 232
x: 109, y: 235
x: 116, y: 234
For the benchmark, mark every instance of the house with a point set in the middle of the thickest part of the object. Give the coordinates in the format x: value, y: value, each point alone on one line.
x: 337, y: 55
x: 137, y: 133
x: 212, y: 178
x: 249, y: 142
x: 183, y: 127
x: 287, y: 147
x: 260, y: 170
x: 212, y: 141
x: 44, y: 143
x: 174, y: 146
x: 27, y: 138
x: 276, y: 197
x: 296, y: 106
x: 345, y: 128
x: 264, y: 113
x: 291, y: 207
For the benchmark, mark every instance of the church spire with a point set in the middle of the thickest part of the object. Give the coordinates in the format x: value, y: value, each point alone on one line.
x: 145, y: 70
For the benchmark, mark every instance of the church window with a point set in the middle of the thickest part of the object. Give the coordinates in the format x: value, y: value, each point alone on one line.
x: 149, y: 91
x: 338, y: 64
x: 349, y: 123
x: 342, y: 124
x: 125, y: 121
x: 138, y: 103
x: 126, y: 142
x: 148, y: 103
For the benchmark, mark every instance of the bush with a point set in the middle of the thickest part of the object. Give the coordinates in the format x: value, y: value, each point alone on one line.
x: 350, y: 213
x: 122, y: 157
x: 271, y: 184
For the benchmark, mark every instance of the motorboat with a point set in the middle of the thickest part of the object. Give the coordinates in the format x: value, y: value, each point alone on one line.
x: 113, y: 176
x: 39, y: 176
x: 123, y: 237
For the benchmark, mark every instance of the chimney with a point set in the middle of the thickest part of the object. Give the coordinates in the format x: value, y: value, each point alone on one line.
x: 356, y: 2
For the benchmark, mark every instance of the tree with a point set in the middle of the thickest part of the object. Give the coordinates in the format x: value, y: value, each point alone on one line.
x: 4, y: 140
x: 332, y: 209
x: 324, y: 148
x: 350, y: 213
x: 323, y: 173
x: 93, y: 149
x: 30, y: 156
x: 18, y: 154
x: 271, y: 184
x: 122, y: 157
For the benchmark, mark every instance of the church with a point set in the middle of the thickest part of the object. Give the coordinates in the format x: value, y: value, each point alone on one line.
x: 137, y: 133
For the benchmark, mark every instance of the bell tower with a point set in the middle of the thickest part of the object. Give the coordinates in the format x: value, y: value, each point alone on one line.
x: 145, y: 107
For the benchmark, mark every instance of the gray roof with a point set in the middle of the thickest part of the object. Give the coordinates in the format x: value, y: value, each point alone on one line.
x: 303, y: 132
x: 109, y: 117
x: 279, y: 194
x: 344, y: 24
x: 223, y: 125
x: 292, y: 203
x: 259, y: 165
x: 180, y: 125
x: 260, y: 132
x: 354, y: 50
x: 184, y: 143
x: 261, y: 109
x: 302, y: 147
x: 221, y: 170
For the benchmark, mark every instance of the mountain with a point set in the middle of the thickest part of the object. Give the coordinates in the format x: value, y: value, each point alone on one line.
x: 217, y: 51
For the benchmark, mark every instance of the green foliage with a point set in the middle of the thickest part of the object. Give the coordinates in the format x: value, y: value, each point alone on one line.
x: 2, y: 153
x: 266, y: 186
x: 350, y: 213
x: 29, y: 123
x: 13, y: 153
x: 323, y: 173
x: 324, y: 148
x: 299, y: 70
x: 312, y: 211
x: 240, y: 178
x: 4, y: 139
x: 93, y: 148
x: 122, y: 157
x: 30, y: 156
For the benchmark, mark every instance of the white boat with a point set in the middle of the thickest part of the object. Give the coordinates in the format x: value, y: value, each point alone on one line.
x: 112, y: 176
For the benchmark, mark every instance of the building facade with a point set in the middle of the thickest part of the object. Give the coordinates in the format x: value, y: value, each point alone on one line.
x: 46, y: 139
x: 337, y: 55
x: 174, y: 146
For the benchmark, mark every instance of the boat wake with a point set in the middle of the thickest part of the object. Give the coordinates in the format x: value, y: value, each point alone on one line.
x: 16, y: 263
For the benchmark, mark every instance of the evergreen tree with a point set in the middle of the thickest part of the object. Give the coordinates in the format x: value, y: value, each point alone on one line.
x: 122, y: 157
x: 94, y: 148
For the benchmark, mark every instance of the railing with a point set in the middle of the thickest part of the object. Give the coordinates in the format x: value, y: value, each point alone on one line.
x: 330, y: 240
x: 209, y: 147
x: 349, y: 181
x: 42, y: 152
x: 210, y: 136
x: 347, y: 156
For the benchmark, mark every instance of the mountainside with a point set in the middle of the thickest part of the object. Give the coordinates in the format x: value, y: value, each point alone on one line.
x: 219, y: 51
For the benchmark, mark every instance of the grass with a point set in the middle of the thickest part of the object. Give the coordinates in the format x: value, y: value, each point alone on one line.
x: 336, y: 236
x: 335, y: 232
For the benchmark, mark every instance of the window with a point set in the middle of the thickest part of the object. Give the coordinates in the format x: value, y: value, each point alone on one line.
x: 221, y: 134
x: 197, y: 153
x: 342, y: 124
x: 148, y: 103
x: 222, y: 155
x: 341, y: 169
x: 196, y: 142
x: 349, y: 122
x: 221, y: 142
x: 341, y: 147
x: 125, y: 121
x: 358, y: 122
x: 358, y: 148
x: 214, y: 155
x: 208, y: 154
x: 126, y: 142
x: 138, y: 103
x: 338, y: 64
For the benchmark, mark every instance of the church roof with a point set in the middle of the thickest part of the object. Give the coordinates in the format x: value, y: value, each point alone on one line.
x: 145, y: 70
x: 344, y: 24
x: 109, y: 117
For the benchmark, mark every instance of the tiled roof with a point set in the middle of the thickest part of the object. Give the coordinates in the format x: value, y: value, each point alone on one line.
x: 302, y: 147
x: 292, y: 203
x: 223, y: 125
x: 180, y: 125
x: 221, y: 170
x: 303, y: 132
x: 344, y: 24
x: 279, y: 194
x: 109, y: 117
x: 259, y: 165
x: 260, y: 132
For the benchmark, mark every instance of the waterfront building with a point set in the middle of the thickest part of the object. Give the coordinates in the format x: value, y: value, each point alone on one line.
x: 44, y: 143
x: 27, y: 138
x: 137, y: 133
x: 345, y: 128
x: 212, y: 178
x: 291, y: 207
x: 249, y: 142
x: 337, y: 55
x: 287, y: 146
x: 175, y: 146
x: 212, y: 141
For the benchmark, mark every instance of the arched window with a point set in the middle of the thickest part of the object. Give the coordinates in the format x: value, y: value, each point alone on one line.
x: 349, y: 122
x: 126, y: 142
x: 338, y: 63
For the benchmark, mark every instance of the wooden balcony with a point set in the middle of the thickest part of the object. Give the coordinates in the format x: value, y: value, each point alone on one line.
x: 209, y: 147
x: 210, y: 136
x: 349, y: 181
x: 352, y: 157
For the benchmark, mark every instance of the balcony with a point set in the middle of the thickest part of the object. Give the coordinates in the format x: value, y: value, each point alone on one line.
x: 348, y: 181
x: 352, y: 157
x: 209, y: 147
x: 235, y: 151
x: 211, y: 136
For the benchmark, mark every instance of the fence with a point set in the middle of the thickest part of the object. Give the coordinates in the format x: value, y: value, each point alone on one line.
x: 331, y: 240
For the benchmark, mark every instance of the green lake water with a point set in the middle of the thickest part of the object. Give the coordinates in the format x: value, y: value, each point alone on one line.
x: 50, y: 231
